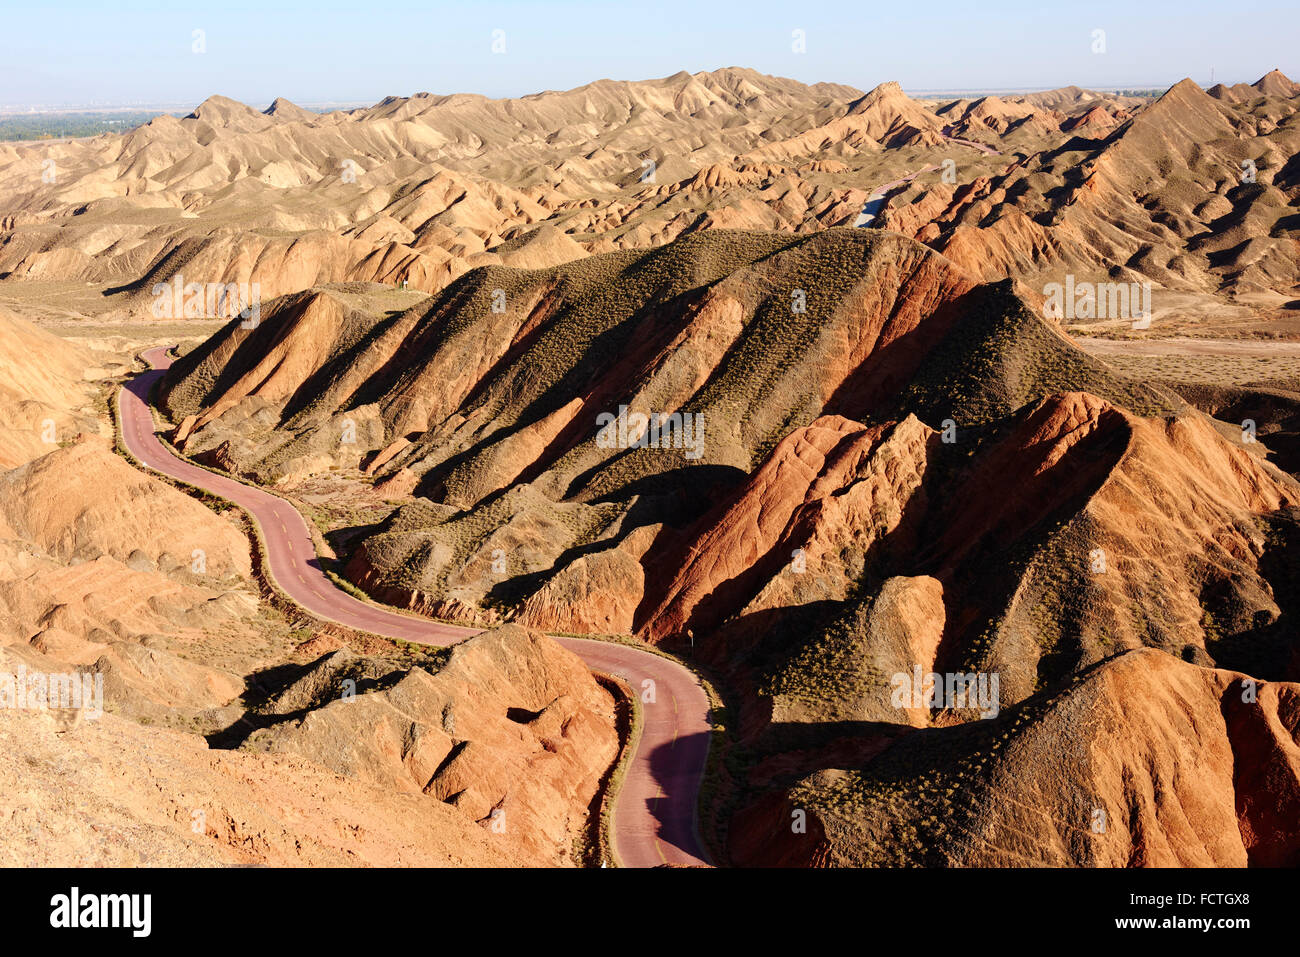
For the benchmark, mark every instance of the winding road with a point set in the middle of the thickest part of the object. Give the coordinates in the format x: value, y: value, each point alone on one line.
x: 875, y: 203
x: 654, y: 819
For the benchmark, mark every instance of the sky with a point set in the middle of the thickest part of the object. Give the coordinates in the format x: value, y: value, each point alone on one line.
x: 140, y: 51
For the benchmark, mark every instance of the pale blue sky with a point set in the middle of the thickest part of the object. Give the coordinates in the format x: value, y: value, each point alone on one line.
x: 77, y: 52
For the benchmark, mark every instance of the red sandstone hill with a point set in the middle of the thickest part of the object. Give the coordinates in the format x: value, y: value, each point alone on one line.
x: 925, y: 474
x: 421, y: 189
x: 495, y: 412
x: 1145, y: 761
x: 1161, y: 196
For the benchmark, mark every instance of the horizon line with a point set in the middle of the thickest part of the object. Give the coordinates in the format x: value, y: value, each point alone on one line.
x: 36, y: 109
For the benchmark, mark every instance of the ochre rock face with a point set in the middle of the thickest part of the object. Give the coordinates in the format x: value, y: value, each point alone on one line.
x: 513, y: 732
x: 827, y: 487
x: 45, y: 396
x: 1145, y: 761
x: 84, y: 502
x: 1122, y: 209
x: 1161, y: 509
x: 107, y: 569
x: 186, y: 805
x: 594, y: 594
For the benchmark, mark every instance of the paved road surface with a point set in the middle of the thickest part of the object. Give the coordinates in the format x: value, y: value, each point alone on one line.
x: 876, y: 201
x: 654, y: 818
x: 982, y: 147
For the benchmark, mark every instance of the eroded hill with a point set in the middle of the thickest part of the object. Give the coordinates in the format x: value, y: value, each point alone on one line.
x: 421, y: 189
x: 899, y: 467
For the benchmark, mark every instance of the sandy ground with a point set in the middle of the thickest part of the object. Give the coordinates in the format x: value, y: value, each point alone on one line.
x: 1188, y: 347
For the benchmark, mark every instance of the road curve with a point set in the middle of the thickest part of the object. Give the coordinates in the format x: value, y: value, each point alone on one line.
x: 875, y: 203
x: 982, y: 147
x: 654, y: 820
